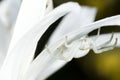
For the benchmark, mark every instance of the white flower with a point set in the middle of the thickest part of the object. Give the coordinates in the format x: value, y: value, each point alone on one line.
x: 8, y: 13
x: 33, y: 20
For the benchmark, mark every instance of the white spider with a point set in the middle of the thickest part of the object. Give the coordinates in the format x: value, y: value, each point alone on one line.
x: 81, y: 47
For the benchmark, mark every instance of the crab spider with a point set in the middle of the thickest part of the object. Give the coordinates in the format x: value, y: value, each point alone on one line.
x: 102, y: 47
x: 81, y: 47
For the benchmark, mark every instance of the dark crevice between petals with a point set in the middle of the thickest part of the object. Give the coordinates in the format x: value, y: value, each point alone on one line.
x: 45, y: 37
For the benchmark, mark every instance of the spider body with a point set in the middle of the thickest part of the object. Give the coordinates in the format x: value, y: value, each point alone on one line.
x: 80, y: 47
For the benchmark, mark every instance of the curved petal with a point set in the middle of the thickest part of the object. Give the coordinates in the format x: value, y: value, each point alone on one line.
x: 84, y: 15
x: 9, y: 11
x: 19, y: 57
x: 31, y: 12
x: 49, y: 6
x: 49, y: 56
x: 4, y: 41
x: 110, y: 21
x: 80, y: 17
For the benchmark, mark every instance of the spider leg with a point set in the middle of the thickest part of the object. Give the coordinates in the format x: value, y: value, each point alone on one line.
x: 60, y: 49
x: 98, y: 33
x: 107, y: 42
x: 102, y: 48
x: 88, y: 48
x: 84, y: 40
x: 66, y: 42
x: 47, y: 48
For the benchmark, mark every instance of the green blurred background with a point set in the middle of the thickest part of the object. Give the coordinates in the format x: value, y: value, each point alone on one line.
x: 103, y: 66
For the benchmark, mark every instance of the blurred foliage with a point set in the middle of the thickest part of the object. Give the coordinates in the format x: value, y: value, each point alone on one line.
x: 103, y: 66
x: 108, y: 64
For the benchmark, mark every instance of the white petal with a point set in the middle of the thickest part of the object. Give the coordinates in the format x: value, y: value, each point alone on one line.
x: 8, y: 14
x: 8, y: 11
x: 4, y: 41
x: 88, y: 15
x: 80, y: 17
x: 19, y: 58
x: 110, y: 21
x: 106, y: 37
x: 49, y: 6
x: 12, y: 11
x: 38, y: 65
x: 30, y: 13
x: 100, y: 40
x: 53, y: 67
